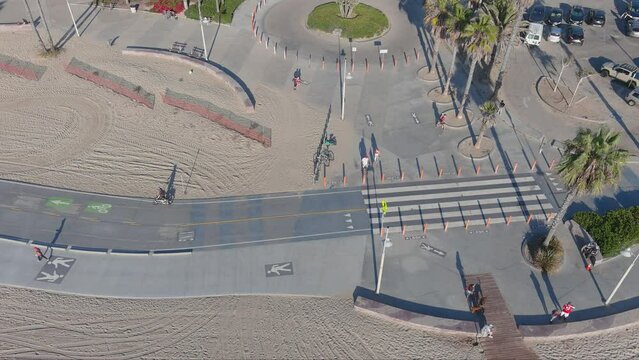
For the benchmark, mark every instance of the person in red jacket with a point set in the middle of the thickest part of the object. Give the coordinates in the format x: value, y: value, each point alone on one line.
x: 565, y: 312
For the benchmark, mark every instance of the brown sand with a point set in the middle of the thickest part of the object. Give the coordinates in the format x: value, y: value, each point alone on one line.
x: 68, y: 132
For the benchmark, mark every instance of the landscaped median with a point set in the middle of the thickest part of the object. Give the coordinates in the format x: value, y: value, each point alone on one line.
x: 614, y: 231
x: 110, y: 81
x: 366, y: 21
x: 229, y: 120
x: 21, y: 68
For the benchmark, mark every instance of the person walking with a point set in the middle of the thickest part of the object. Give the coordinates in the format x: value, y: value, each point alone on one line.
x: 442, y: 120
x: 39, y: 254
x: 502, y: 105
x: 487, y: 331
x: 376, y: 155
x: 365, y: 163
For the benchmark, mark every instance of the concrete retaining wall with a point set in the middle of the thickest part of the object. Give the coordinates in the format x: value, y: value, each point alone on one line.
x: 21, y: 68
x: 117, y: 84
x: 217, y: 70
x: 246, y: 127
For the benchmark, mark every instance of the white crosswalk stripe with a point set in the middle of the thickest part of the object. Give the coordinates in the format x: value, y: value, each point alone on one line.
x: 457, y: 202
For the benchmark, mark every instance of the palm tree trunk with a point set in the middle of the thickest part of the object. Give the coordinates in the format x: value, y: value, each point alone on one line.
x: 451, y: 69
x: 473, y: 65
x: 46, y: 26
x: 35, y: 30
x: 511, y: 42
x: 433, y: 62
x: 560, y: 215
x: 480, y: 137
x: 575, y: 93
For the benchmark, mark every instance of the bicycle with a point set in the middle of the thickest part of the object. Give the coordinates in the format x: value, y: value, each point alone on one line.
x: 325, y: 157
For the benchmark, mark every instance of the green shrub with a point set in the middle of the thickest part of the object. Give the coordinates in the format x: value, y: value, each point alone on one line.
x: 549, y: 258
x: 225, y: 16
x: 614, y: 231
x: 367, y: 22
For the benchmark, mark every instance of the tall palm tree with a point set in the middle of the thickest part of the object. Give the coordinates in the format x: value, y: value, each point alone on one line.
x: 437, y: 12
x: 503, y: 14
x: 591, y: 161
x: 488, y: 115
x: 35, y: 30
x: 480, y: 36
x: 46, y: 26
x: 455, y: 24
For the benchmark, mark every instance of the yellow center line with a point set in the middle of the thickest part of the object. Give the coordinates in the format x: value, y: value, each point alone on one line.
x: 273, y: 217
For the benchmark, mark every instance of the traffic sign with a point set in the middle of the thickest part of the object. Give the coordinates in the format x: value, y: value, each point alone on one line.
x: 97, y: 207
x: 59, y: 203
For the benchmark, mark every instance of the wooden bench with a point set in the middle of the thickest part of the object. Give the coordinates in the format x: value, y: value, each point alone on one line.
x: 197, y: 52
x: 178, y: 47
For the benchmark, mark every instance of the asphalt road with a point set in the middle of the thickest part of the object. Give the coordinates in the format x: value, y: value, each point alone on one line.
x: 99, y: 221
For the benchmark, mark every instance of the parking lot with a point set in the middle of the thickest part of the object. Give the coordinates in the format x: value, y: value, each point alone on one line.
x: 601, y: 44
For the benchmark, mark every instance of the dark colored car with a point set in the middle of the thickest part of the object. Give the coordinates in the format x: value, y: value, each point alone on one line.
x: 577, y: 15
x: 575, y: 35
x: 596, y: 17
x: 632, y: 9
x: 537, y: 13
x: 555, y: 17
x: 632, y: 28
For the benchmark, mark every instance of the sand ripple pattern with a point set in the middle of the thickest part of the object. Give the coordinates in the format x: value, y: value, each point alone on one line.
x: 43, y: 325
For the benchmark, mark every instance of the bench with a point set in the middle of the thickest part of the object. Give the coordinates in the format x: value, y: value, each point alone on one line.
x: 197, y: 52
x: 178, y: 47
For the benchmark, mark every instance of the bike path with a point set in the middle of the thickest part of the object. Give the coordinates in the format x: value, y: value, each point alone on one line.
x: 66, y: 217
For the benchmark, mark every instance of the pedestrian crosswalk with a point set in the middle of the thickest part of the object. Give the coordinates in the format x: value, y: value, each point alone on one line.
x: 460, y: 202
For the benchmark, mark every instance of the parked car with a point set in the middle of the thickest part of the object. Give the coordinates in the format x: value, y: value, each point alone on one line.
x: 633, y: 97
x: 577, y: 15
x: 632, y: 28
x: 575, y: 35
x: 632, y: 9
x: 554, y: 35
x: 596, y: 17
x: 537, y: 13
x: 626, y: 73
x: 555, y: 17
x: 534, y: 33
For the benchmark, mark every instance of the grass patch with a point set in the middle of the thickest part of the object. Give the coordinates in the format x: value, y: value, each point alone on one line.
x: 367, y: 22
x: 225, y: 16
x: 614, y: 231
x: 548, y: 259
x: 52, y: 53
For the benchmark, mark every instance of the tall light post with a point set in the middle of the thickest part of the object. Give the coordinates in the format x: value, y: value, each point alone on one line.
x: 345, y: 77
x: 626, y: 253
x: 73, y: 19
x: 387, y: 243
x: 199, y: 11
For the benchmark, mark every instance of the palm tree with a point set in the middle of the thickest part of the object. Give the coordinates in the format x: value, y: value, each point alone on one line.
x: 46, y: 26
x: 590, y: 162
x: 26, y: 5
x: 480, y: 36
x: 437, y: 12
x: 455, y: 24
x: 488, y: 115
x: 581, y: 74
x: 521, y: 8
x: 503, y: 14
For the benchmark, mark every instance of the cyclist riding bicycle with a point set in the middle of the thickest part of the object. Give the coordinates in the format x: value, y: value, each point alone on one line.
x: 330, y: 140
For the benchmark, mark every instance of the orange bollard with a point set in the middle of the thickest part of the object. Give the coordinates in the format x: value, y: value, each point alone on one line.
x: 337, y: 64
x: 441, y: 171
x: 352, y: 66
x: 324, y: 182
x: 416, y: 54
x: 366, y: 63
x: 466, y: 223
x: 381, y: 231
x: 478, y: 169
x: 515, y: 168
x: 552, y: 164
x: 405, y: 58
x: 382, y: 177
x: 496, y: 168
x: 446, y: 226
x: 261, y: 36
x: 381, y: 64
x: 488, y: 223
x: 323, y: 63
x: 533, y: 165
x: 421, y: 173
x: 509, y: 220
x: 344, y: 180
x: 285, y: 51
x: 529, y: 219
x: 394, y: 61
x: 401, y: 177
x: 459, y: 172
x: 363, y: 179
x: 404, y: 230
x: 425, y: 228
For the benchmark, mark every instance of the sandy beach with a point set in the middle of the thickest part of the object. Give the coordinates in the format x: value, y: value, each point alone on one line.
x: 67, y: 132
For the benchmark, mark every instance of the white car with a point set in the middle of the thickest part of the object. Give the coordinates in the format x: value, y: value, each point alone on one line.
x: 554, y: 35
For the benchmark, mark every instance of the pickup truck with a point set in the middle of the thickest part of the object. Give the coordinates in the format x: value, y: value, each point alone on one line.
x: 628, y: 74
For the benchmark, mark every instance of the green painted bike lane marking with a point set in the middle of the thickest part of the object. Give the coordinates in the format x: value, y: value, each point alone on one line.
x: 60, y: 203
x: 98, y: 207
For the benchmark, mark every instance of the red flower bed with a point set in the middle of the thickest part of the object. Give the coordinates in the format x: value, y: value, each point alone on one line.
x: 161, y: 6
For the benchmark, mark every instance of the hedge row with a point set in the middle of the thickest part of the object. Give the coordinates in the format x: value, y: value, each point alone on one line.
x: 614, y: 231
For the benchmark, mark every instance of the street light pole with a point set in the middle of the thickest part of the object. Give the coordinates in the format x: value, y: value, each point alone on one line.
x: 343, y: 54
x: 73, y: 19
x: 387, y: 243
x: 625, y: 253
x: 199, y: 11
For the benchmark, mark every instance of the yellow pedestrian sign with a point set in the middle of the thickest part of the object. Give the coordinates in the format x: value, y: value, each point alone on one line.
x: 384, y: 207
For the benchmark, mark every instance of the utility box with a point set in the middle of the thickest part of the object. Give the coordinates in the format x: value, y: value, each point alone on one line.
x: 534, y: 33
